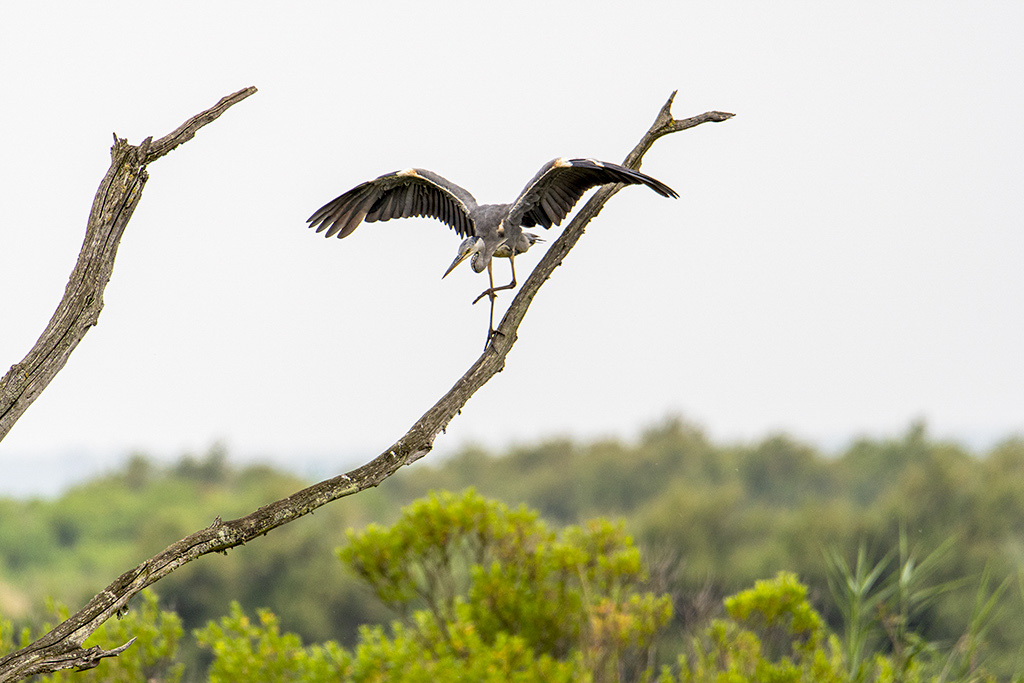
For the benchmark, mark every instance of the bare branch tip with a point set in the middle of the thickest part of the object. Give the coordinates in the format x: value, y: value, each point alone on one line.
x: 236, y: 97
x: 99, y: 653
x: 666, y: 109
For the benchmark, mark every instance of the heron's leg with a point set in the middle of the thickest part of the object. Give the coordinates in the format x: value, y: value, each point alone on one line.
x: 512, y: 265
x: 490, y: 292
x: 511, y: 285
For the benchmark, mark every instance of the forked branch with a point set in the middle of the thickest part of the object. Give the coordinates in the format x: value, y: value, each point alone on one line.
x: 61, y: 647
x: 79, y: 309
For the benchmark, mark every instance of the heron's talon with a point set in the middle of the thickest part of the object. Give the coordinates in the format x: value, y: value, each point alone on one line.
x: 489, y: 292
x: 491, y: 334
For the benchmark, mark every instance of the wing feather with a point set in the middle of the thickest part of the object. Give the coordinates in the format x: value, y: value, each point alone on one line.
x: 402, y: 194
x: 551, y: 210
x: 355, y: 216
x: 337, y: 218
x: 555, y: 190
x: 382, y: 207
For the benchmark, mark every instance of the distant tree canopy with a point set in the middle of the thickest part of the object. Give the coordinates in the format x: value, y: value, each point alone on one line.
x: 708, y: 520
x: 489, y: 593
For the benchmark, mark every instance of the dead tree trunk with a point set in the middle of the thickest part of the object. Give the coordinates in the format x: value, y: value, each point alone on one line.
x: 112, y: 208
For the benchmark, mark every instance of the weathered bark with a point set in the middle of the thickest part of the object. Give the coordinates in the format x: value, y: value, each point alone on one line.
x: 61, y: 647
x: 112, y: 208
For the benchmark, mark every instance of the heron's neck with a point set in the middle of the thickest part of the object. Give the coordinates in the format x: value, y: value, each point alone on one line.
x: 478, y: 262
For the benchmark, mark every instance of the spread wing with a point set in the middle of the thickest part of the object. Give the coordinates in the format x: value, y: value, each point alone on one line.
x: 402, y: 194
x: 550, y: 196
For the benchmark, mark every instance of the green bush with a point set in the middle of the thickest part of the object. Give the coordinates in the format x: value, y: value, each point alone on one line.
x: 151, y: 657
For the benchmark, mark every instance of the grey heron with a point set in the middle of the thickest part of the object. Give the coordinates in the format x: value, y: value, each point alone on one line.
x: 488, y: 230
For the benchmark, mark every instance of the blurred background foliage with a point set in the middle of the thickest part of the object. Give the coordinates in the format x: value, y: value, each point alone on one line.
x: 704, y: 520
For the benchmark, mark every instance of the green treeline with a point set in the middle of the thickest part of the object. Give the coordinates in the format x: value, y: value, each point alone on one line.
x: 707, y: 521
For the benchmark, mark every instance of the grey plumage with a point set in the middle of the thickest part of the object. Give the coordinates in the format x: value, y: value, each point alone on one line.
x: 488, y: 229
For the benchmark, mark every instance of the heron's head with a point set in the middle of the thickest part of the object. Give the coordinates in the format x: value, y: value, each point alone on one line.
x: 471, y: 246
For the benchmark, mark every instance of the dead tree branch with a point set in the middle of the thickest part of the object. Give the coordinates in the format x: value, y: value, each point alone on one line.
x: 79, y: 310
x: 62, y: 647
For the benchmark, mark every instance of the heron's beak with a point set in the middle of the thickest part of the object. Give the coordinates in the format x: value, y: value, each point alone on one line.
x: 458, y: 259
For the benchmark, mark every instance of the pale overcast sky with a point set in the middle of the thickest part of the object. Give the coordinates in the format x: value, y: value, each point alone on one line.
x: 847, y: 254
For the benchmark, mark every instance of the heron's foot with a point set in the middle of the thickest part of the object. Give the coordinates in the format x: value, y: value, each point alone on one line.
x: 491, y: 334
x: 487, y: 292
